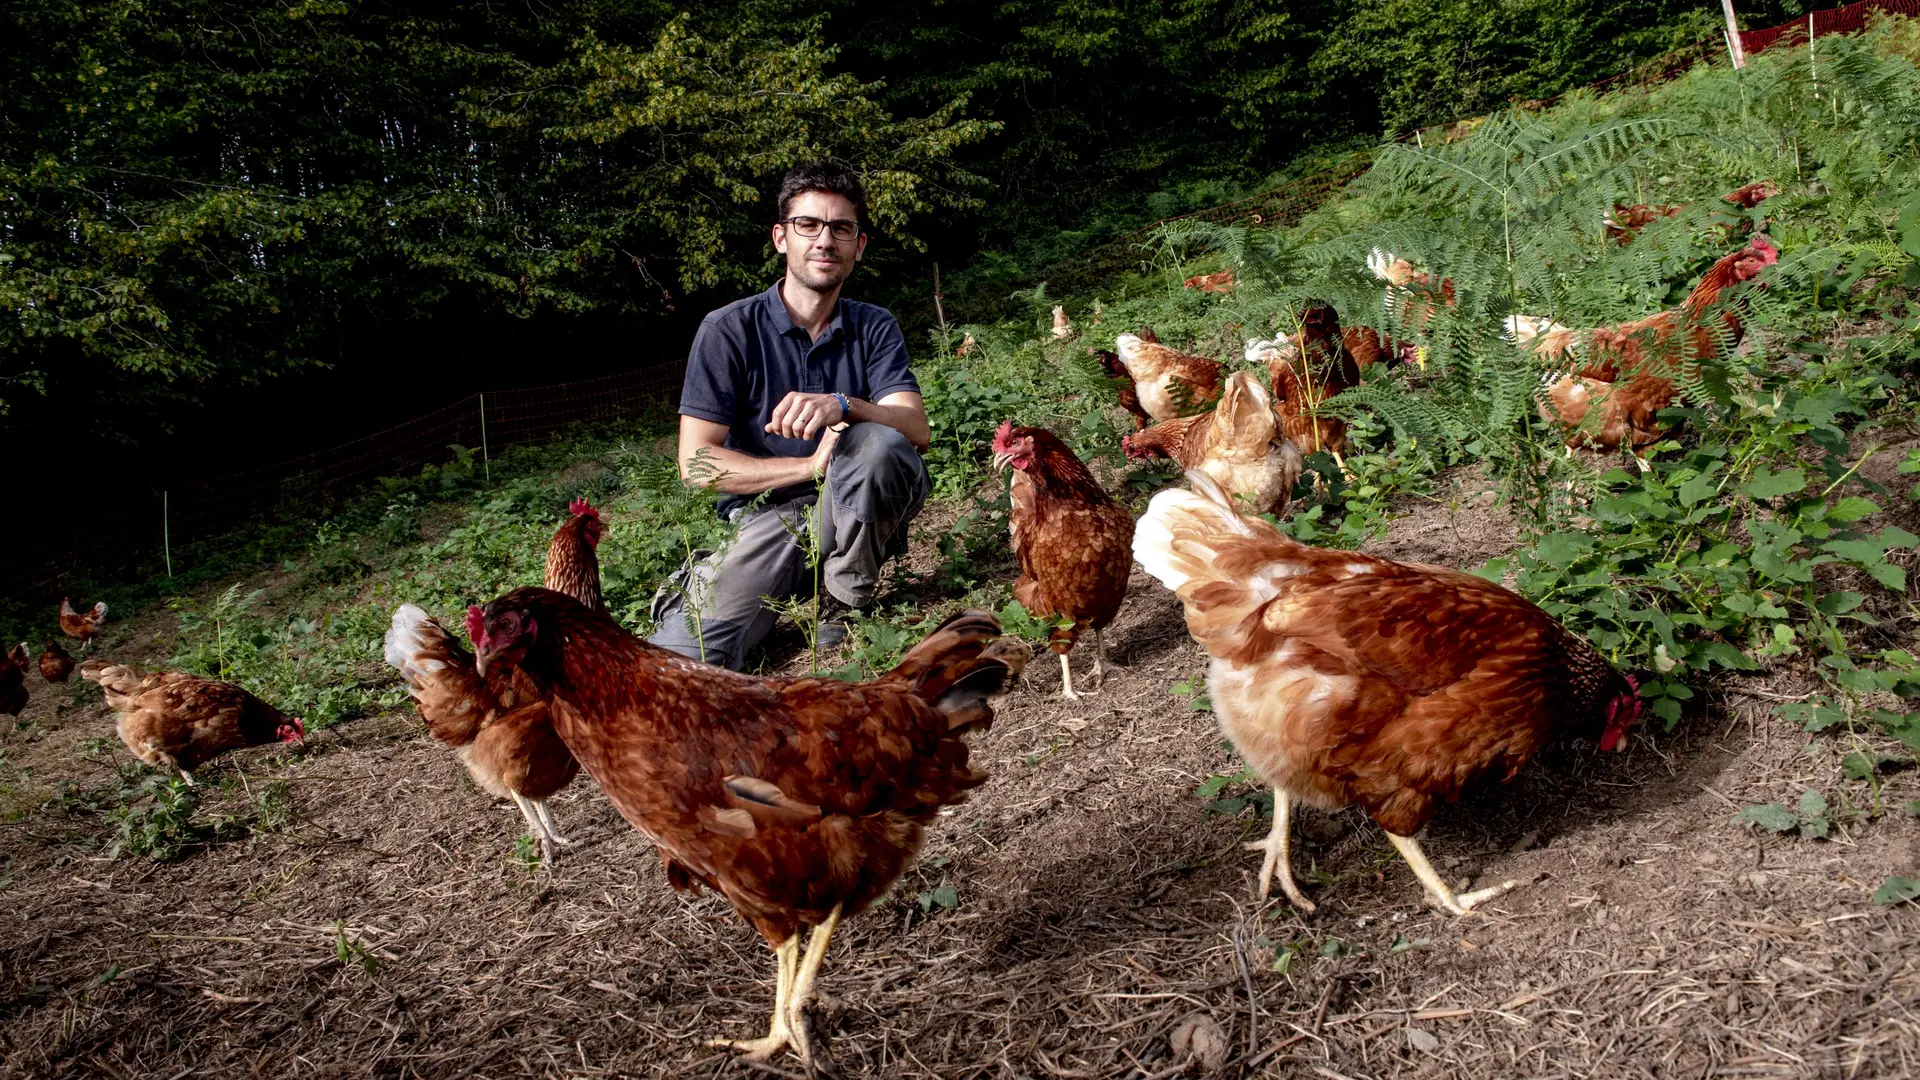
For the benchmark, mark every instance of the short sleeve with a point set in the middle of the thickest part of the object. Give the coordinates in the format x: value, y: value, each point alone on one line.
x: 713, y: 369
x: 887, y: 370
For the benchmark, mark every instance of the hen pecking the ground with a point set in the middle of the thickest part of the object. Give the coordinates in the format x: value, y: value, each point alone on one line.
x: 800, y: 800
x: 55, y: 664
x: 1347, y: 679
x: 178, y: 722
x: 1074, y: 542
x: 1239, y: 443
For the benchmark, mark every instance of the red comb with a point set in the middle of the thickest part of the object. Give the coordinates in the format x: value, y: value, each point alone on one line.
x: 476, y: 625
x: 1002, y: 436
x: 583, y: 508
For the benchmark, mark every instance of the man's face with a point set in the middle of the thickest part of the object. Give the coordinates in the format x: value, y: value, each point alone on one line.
x: 821, y: 263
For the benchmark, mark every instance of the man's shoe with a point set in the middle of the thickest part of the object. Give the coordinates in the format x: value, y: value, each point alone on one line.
x: 834, y: 624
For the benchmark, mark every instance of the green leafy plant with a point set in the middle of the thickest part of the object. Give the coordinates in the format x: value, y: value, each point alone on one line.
x: 1810, y: 819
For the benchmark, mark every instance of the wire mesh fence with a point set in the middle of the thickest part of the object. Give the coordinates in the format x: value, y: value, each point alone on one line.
x: 136, y: 532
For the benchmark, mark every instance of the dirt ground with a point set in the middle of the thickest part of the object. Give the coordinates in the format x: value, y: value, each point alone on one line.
x: 1101, y: 912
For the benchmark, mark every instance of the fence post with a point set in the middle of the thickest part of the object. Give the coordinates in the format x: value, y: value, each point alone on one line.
x: 1734, y: 47
x: 166, y: 532
x: 486, y: 456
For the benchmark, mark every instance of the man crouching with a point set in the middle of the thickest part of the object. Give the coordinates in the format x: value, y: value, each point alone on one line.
x: 783, y: 387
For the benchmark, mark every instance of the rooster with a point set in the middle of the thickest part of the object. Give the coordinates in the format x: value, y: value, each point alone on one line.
x: 55, y: 664
x: 13, y: 680
x: 84, y: 627
x: 177, y: 722
x: 800, y: 800
x: 1628, y: 370
x: 1239, y: 444
x: 1170, y: 383
x: 1072, y: 540
x: 500, y: 726
x: 1348, y: 679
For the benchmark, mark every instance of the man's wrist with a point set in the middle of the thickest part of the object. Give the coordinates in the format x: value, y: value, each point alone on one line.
x: 846, y: 406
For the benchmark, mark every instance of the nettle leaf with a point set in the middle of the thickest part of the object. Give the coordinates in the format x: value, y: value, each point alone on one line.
x: 1852, y: 509
x: 1814, y: 715
x: 1770, y: 816
x: 1771, y: 485
x: 1839, y: 603
x: 1727, y: 656
x: 1813, y: 804
x: 1896, y: 890
x: 1893, y: 577
x: 1561, y: 549
x: 1700, y: 486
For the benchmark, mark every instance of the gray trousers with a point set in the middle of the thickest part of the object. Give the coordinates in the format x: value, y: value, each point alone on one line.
x: 876, y: 483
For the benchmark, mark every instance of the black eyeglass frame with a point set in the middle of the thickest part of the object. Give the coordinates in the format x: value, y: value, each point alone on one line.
x: 830, y: 226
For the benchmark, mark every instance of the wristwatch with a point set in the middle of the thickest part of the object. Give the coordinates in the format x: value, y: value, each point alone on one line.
x: 846, y: 407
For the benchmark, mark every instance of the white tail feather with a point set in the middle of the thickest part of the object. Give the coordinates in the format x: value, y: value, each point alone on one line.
x: 1174, y: 565
x: 406, y: 641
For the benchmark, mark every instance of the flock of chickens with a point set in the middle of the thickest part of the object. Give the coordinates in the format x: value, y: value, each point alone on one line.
x: 1341, y: 678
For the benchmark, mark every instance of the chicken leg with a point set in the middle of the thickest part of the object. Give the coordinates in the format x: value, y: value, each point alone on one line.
x: 1279, y: 848
x: 1457, y: 903
x: 779, y: 1035
x: 792, y: 992
x: 1066, y: 679
x: 1099, y: 659
x: 535, y: 811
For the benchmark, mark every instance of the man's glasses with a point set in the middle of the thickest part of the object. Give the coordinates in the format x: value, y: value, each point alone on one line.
x: 809, y: 227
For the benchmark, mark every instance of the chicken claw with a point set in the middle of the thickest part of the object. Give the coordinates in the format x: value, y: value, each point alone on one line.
x: 1279, y: 860
x: 1447, y: 899
x: 1066, y: 680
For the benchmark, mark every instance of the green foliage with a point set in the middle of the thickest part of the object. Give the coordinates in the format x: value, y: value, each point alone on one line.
x: 1810, y: 820
x: 154, y: 819
x: 186, y: 201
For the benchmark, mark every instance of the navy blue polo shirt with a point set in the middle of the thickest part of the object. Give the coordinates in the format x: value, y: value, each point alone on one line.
x: 749, y: 355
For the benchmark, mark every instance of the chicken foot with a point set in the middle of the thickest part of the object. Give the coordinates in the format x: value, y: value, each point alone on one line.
x: 1457, y: 903
x: 792, y: 992
x: 1279, y: 848
x: 779, y: 1036
x: 535, y: 811
x: 1066, y: 679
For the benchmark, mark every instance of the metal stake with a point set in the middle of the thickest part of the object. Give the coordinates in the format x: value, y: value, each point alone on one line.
x: 1738, y: 50
x: 166, y: 533
x: 486, y: 456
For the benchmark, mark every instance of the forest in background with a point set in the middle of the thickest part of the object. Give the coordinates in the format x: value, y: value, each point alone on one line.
x: 395, y: 204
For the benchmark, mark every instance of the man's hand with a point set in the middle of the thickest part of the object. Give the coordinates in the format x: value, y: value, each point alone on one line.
x: 824, y: 452
x: 802, y: 416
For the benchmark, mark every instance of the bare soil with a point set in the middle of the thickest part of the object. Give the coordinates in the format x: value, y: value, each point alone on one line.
x: 388, y: 930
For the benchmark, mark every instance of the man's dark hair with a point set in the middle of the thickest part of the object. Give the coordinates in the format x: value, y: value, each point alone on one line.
x: 830, y: 177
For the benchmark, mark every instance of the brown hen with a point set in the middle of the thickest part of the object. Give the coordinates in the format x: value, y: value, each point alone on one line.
x: 13, y: 680
x: 800, y: 800
x: 1627, y: 371
x: 84, y: 626
x: 1347, y: 679
x: 499, y: 725
x: 1239, y: 443
x: 55, y: 663
x: 1170, y: 383
x: 178, y: 722
x: 1072, y: 539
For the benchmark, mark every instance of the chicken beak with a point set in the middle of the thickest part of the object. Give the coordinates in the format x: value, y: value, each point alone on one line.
x: 480, y: 663
x: 1002, y: 460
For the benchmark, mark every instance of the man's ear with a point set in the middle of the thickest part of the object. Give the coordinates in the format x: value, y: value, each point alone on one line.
x: 860, y: 248
x: 780, y: 240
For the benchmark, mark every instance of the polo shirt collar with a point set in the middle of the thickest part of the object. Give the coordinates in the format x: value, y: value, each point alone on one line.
x: 783, y: 323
